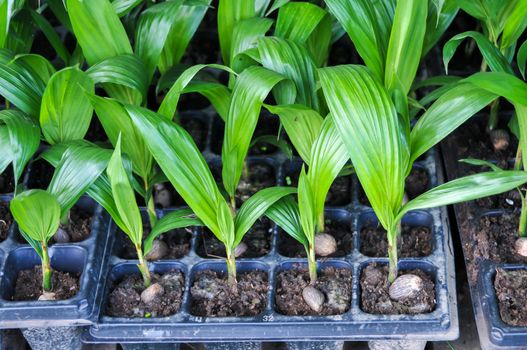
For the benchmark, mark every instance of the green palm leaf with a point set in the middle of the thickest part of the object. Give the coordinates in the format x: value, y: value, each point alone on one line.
x: 369, y: 127
x: 251, y: 88
x: 286, y: 215
x: 66, y: 112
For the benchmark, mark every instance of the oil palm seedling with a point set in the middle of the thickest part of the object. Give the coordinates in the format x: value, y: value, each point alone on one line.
x: 382, y: 153
x: 502, y: 25
x: 39, y: 213
x: 128, y: 217
x: 185, y: 167
x: 304, y: 220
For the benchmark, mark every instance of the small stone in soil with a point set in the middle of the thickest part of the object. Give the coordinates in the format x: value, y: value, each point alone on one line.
x: 152, y: 293
x: 162, y: 196
x: 375, y: 295
x: 500, y: 139
x: 61, y: 236
x: 212, y: 296
x: 405, y: 287
x: 511, y: 292
x: 313, y: 298
x: 521, y: 246
x: 47, y: 296
x: 125, y: 299
x: 333, y: 283
x: 159, y: 250
x: 28, y: 285
x: 325, y: 244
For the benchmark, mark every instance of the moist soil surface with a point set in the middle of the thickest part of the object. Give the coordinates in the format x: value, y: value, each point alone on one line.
x: 260, y: 176
x: 212, y: 296
x: 376, y: 300
x: 257, y: 239
x: 291, y: 248
x: 125, y: 296
x: 7, y: 181
x: 28, y: 284
x: 415, y: 241
x: 334, y: 283
x: 40, y: 174
x: 511, y: 292
x: 5, y: 220
x: 79, y: 227
x: 496, y: 237
x: 415, y: 184
x: 473, y: 141
x: 177, y: 241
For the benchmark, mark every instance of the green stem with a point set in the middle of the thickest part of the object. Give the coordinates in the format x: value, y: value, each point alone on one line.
x: 150, y: 205
x: 46, y: 268
x: 518, y: 158
x: 312, y: 264
x: 143, y: 266
x: 522, y: 229
x: 321, y: 223
x: 231, y: 270
x: 393, y: 234
x: 65, y: 219
x: 493, y: 119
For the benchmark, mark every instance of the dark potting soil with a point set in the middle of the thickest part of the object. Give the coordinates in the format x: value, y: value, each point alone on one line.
x: 5, y: 220
x: 79, y: 227
x: 375, y: 298
x: 473, y: 141
x: 7, y: 181
x: 415, y: 241
x: 415, y: 184
x: 28, y: 284
x: 334, y: 283
x: 125, y: 296
x: 496, y: 237
x: 212, y: 296
x: 40, y: 175
x: 291, y: 248
x: 260, y: 176
x: 257, y: 239
x: 511, y: 292
x: 177, y: 241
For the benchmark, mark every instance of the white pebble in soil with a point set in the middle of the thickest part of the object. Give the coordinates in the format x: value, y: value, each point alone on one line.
x: 152, y: 293
x: 520, y: 246
x: 313, y: 298
x: 47, y: 296
x: 325, y: 244
x: 405, y: 286
x: 61, y: 236
x: 159, y: 250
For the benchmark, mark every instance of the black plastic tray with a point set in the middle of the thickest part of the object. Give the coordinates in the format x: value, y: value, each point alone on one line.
x: 86, y: 257
x: 270, y: 325
x: 493, y: 332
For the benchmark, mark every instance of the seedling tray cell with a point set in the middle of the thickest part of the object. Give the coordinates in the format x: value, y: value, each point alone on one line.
x: 271, y: 325
x: 82, y: 257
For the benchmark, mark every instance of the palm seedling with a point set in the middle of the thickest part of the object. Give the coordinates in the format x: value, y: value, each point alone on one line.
x: 382, y: 153
x: 39, y: 213
x: 126, y: 214
x: 185, y: 167
x: 502, y: 23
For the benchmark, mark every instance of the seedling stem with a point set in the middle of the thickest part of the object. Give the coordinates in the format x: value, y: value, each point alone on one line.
x: 312, y: 264
x: 143, y: 267
x: 393, y: 235
x: 46, y: 268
